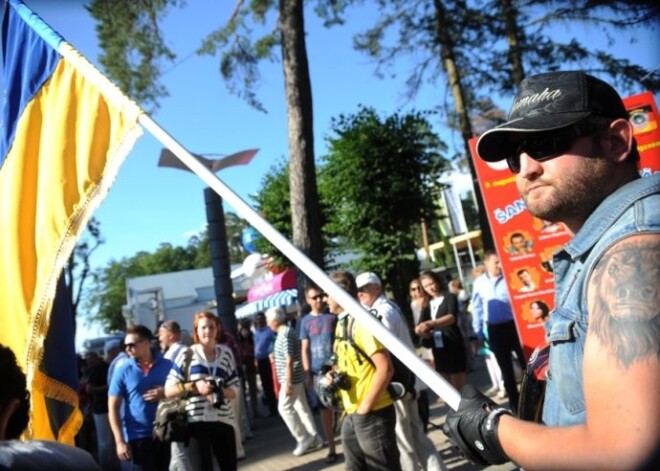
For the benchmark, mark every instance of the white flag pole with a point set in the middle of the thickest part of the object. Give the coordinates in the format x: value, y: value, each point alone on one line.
x: 438, y: 384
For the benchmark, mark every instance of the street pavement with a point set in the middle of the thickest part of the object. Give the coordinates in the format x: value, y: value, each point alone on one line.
x: 271, y: 446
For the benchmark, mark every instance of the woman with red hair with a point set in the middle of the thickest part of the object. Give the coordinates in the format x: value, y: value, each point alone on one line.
x: 208, y: 384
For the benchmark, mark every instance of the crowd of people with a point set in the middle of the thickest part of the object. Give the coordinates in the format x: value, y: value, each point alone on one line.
x: 122, y: 391
x: 605, y: 321
x: 293, y: 356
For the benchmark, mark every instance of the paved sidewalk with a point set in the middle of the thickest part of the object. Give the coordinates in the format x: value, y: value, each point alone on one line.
x: 272, y: 446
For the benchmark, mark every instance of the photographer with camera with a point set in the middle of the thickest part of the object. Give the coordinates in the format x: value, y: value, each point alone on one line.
x: 368, y: 430
x: 212, y: 382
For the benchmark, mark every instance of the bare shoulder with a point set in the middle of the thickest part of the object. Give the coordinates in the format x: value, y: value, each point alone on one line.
x: 624, y: 300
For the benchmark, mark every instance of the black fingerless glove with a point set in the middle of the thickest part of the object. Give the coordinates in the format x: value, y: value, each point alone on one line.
x: 473, y: 427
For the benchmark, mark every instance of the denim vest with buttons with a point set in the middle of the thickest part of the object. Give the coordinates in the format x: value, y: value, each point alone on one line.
x: 632, y: 209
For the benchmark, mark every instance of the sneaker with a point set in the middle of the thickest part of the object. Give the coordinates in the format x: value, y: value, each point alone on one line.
x: 304, y: 446
x: 492, y: 391
x: 316, y: 444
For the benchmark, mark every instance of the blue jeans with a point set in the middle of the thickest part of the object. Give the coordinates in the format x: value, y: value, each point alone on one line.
x: 369, y: 441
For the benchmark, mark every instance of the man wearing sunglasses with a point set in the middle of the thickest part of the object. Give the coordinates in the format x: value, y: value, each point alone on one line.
x: 138, y: 383
x: 571, y: 146
x: 316, y: 338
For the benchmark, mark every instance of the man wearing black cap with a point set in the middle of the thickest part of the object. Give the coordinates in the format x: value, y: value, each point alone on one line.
x: 571, y: 146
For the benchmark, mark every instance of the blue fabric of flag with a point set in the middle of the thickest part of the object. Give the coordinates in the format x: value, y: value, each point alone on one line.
x: 64, y: 131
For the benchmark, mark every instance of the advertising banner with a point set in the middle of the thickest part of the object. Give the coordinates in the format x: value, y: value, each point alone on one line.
x: 525, y: 244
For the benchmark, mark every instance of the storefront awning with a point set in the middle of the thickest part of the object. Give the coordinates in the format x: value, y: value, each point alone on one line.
x: 283, y: 298
x: 280, y: 282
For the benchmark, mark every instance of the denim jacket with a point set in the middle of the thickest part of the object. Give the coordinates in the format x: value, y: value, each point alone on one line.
x: 632, y: 209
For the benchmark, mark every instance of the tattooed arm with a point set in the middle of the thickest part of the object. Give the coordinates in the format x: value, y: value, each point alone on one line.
x: 621, y: 362
x: 621, y: 372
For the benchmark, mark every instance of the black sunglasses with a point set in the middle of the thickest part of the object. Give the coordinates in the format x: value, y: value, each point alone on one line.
x: 548, y: 145
x: 414, y: 288
x: 133, y: 345
x: 319, y: 297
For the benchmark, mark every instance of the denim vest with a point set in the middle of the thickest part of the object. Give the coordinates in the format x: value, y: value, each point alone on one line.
x: 632, y: 209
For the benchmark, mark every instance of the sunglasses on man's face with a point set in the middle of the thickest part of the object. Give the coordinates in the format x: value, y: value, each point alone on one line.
x: 132, y: 345
x: 319, y: 297
x: 547, y: 145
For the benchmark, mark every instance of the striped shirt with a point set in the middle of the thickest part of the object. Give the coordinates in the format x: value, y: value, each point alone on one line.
x: 199, y: 408
x: 174, y: 350
x: 287, y: 345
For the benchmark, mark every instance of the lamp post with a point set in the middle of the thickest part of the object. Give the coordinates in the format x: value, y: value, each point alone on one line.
x: 217, y: 231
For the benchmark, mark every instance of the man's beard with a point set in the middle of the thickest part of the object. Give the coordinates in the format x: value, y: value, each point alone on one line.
x: 577, y: 195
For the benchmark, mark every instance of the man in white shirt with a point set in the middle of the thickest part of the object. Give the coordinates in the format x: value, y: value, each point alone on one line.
x: 169, y: 337
x: 415, y: 447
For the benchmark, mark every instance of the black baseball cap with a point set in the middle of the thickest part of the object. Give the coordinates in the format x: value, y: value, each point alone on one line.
x: 550, y: 101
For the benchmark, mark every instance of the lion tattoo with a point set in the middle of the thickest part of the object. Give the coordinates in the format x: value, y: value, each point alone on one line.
x: 627, y: 302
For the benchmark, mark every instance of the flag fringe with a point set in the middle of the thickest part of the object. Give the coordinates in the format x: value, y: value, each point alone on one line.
x: 53, y: 389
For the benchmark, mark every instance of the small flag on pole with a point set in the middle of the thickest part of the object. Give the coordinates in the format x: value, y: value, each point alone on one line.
x: 64, y: 131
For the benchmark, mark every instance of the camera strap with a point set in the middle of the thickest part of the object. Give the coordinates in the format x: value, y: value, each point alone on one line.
x: 211, y: 367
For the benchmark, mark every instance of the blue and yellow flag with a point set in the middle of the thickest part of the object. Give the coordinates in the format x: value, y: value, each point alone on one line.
x: 64, y: 131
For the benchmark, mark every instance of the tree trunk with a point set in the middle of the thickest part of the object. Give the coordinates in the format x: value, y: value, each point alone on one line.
x: 447, y: 57
x: 512, y: 37
x: 305, y: 212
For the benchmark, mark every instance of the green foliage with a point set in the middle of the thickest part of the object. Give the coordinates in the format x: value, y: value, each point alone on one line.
x: 108, y: 294
x: 539, y: 50
x: 78, y: 268
x: 134, y: 49
x: 378, y: 181
x: 485, y: 46
x: 239, y: 53
x: 273, y: 202
x: 133, y: 46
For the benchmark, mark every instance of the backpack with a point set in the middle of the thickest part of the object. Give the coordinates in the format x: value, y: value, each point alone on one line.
x: 403, y: 380
x: 171, y: 419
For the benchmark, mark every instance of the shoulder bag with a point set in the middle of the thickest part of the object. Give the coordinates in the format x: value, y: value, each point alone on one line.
x: 171, y: 420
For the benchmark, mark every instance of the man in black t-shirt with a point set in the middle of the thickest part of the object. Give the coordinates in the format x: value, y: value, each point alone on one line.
x: 97, y: 388
x: 29, y: 455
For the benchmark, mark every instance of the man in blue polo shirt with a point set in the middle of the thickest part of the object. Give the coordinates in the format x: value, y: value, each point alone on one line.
x: 138, y: 383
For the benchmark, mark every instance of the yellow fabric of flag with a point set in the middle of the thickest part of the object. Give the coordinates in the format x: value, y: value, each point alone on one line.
x: 69, y: 139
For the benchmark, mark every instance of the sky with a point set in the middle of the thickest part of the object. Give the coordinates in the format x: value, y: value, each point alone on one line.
x: 148, y: 205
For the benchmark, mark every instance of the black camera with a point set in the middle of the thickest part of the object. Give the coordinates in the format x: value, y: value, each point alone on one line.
x: 328, y: 364
x: 327, y: 387
x: 339, y: 381
x: 329, y: 382
x: 217, y: 394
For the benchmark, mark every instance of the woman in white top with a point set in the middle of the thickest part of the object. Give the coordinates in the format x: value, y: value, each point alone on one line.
x: 208, y: 385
